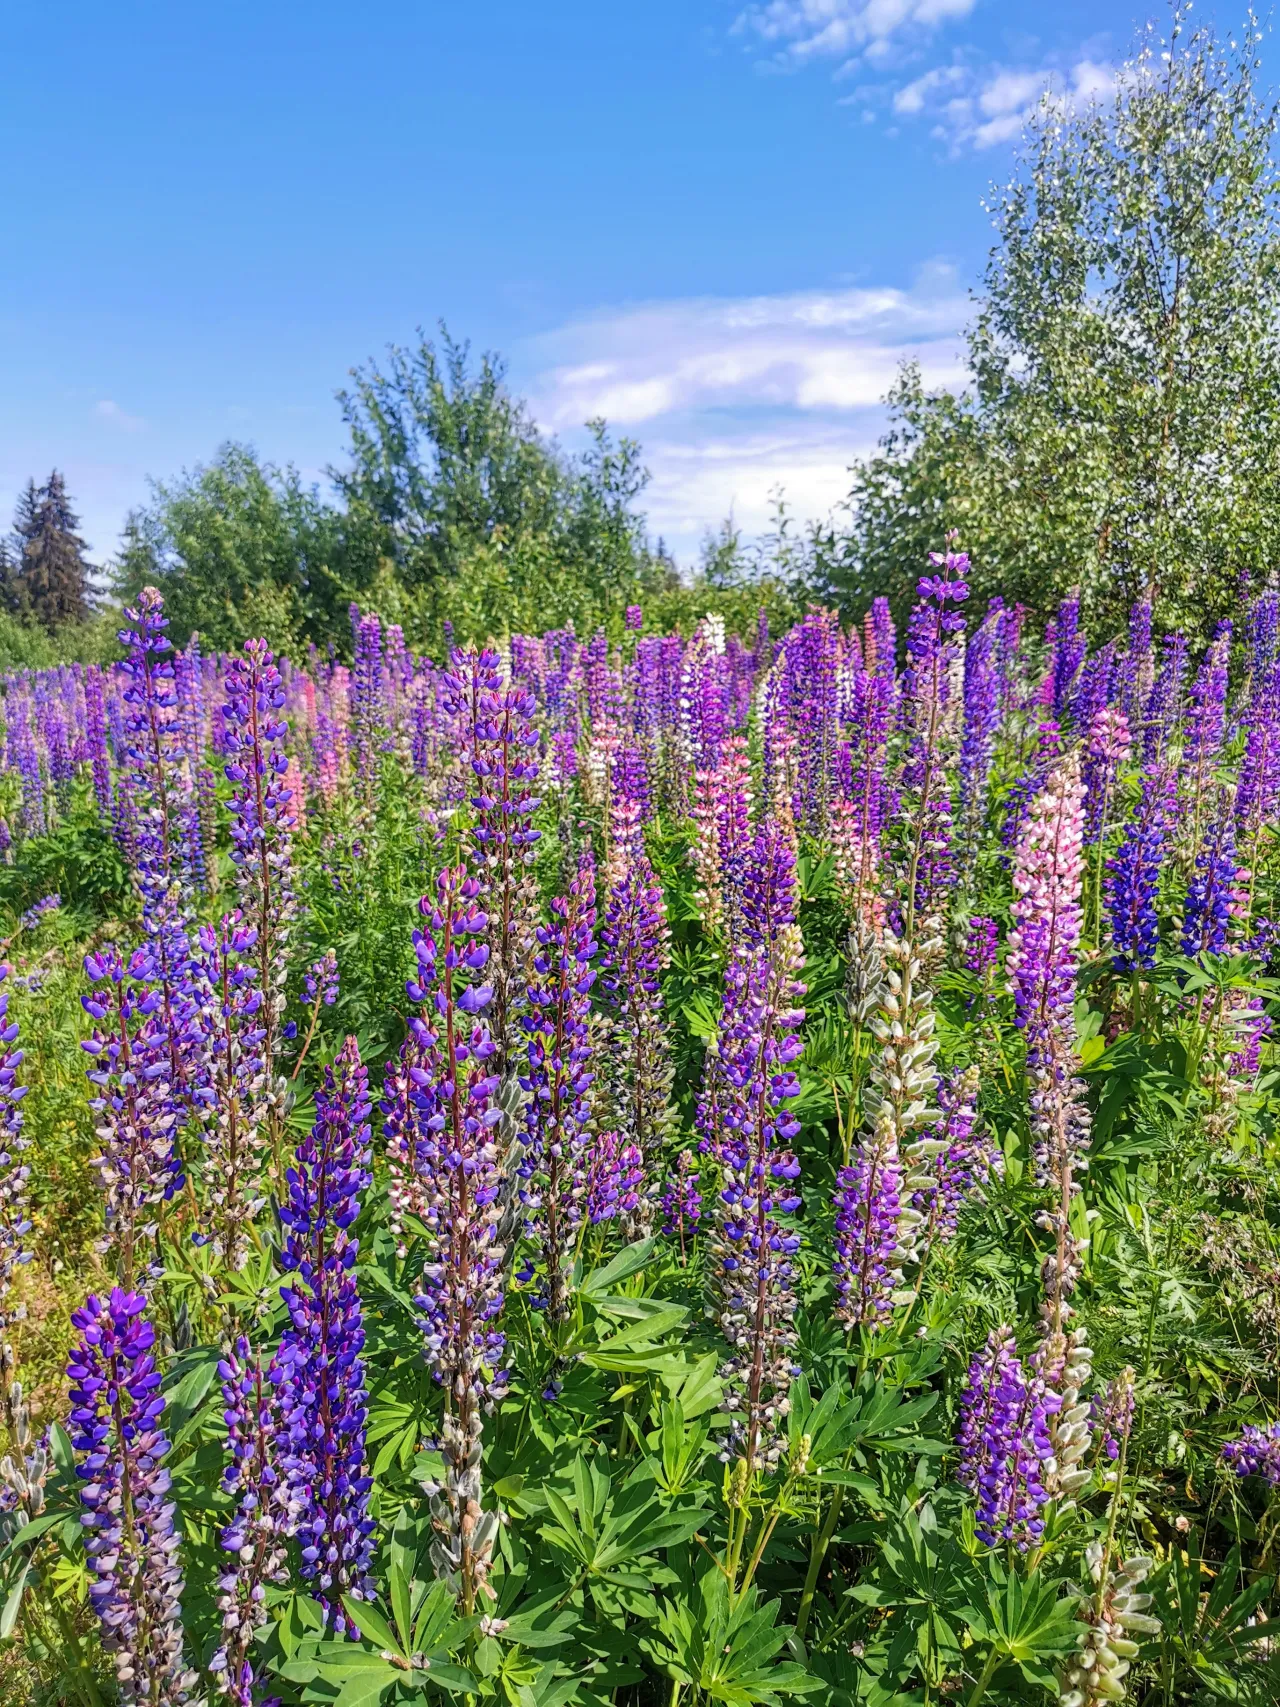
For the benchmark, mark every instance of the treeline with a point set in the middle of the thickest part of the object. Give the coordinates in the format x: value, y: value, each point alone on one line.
x: 1119, y: 436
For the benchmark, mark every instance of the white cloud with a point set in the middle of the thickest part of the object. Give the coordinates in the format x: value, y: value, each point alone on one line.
x: 803, y: 30
x: 974, y: 106
x: 807, y: 350
x: 912, y: 97
x: 113, y: 413
x: 735, y: 397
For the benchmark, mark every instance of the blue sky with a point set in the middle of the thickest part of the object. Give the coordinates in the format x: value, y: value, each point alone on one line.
x: 719, y: 224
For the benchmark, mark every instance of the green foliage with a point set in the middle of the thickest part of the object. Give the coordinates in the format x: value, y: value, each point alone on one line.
x: 1122, y: 430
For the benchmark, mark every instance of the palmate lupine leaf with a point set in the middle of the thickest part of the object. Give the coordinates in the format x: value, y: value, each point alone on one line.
x: 1024, y: 1620
x: 727, y: 1649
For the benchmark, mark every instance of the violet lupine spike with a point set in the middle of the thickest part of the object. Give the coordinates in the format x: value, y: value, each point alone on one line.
x: 95, y: 708
x: 1108, y: 748
x: 876, y: 1226
x: 502, y: 742
x: 733, y: 824
x: 681, y: 1201
x: 614, y: 1179
x: 558, y: 1081
x: 39, y: 910
x: 1042, y: 964
x: 367, y: 702
x: 1070, y: 647
x: 1133, y: 874
x: 1256, y: 1453
x: 232, y: 1102
x: 131, y: 1547
x: 318, y: 1370
x: 753, y: 1282
x: 458, y: 1194
x: 630, y: 809
x: 1207, y: 722
x: 151, y: 704
x: 981, y: 724
x: 137, y: 1113
x: 266, y: 1513
x: 1164, y: 708
x: 1138, y: 669
x: 262, y: 823
x: 23, y: 756
x: 1212, y: 890
x: 957, y: 1172
x: 1263, y: 633
x: 636, y: 1056
x: 15, y: 1173
x: 1004, y: 1443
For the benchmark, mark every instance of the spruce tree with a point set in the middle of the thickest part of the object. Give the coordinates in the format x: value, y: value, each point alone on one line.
x: 53, y: 575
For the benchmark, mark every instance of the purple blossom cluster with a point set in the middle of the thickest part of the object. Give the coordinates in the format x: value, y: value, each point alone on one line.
x: 318, y: 1371
x: 1004, y: 1444
x: 1256, y: 1453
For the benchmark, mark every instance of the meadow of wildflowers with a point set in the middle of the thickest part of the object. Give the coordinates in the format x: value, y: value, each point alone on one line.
x: 644, y: 1170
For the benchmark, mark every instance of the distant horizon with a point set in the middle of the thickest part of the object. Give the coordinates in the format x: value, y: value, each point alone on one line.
x: 722, y: 230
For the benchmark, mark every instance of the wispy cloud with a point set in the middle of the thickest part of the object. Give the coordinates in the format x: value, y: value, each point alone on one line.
x: 799, y: 31
x: 116, y: 416
x: 735, y: 397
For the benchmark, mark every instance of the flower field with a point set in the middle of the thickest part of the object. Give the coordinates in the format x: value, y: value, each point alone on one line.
x: 642, y: 1169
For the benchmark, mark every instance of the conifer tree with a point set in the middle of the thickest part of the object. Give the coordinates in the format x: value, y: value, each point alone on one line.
x: 52, y: 572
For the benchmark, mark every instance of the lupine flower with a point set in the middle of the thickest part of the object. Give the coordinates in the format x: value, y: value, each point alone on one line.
x: 135, y: 1573
x: 1117, y: 1619
x: 1212, y: 888
x: 1133, y: 875
x: 1256, y: 1453
x: 982, y: 947
x: 752, y: 1250
x: 96, y: 741
x: 1069, y: 651
x: 502, y: 743
x: 636, y: 1056
x: 957, y: 1172
x: 266, y: 1513
x: 876, y: 1226
x: 367, y: 702
x: 981, y: 722
x: 14, y: 1171
x: 23, y: 756
x: 320, y: 981
x: 318, y: 1370
x: 262, y: 822
x: 1114, y: 1416
x: 1004, y: 1444
x: 132, y: 1097
x: 681, y: 1201
x: 1207, y: 722
x: 1164, y: 709
x: 1107, y: 751
x: 614, y: 1179
x: 39, y: 910
x: 458, y: 1191
x: 233, y: 1104
x: 558, y: 1081
x: 633, y: 617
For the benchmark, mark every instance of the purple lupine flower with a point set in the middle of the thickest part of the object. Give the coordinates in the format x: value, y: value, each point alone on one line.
x: 636, y: 1059
x: 614, y: 1179
x: 1004, y: 1443
x: 1137, y: 671
x: 232, y: 1100
x: 23, y: 756
x: 131, y: 1548
x: 150, y: 701
x: 981, y: 722
x: 1263, y: 633
x: 630, y: 806
x: 14, y: 1172
x: 132, y: 1097
x: 262, y: 822
x: 95, y: 712
x: 502, y: 744
x: 1212, y: 889
x: 1107, y: 751
x: 1113, y: 1417
x: 558, y: 1081
x: 1164, y: 708
x: 320, y: 981
x: 1133, y: 875
x: 1047, y: 745
x: 318, y: 1370
x: 266, y: 1513
x: 1256, y: 1453
x: 681, y: 1201
x: 366, y: 708
x: 982, y: 946
x: 38, y: 910
x: 633, y: 617
x: 193, y: 825
x: 1069, y: 651
x: 1206, y: 725
x: 455, y: 1186
x: 867, y: 1259
x: 752, y: 1249
x: 958, y: 1170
